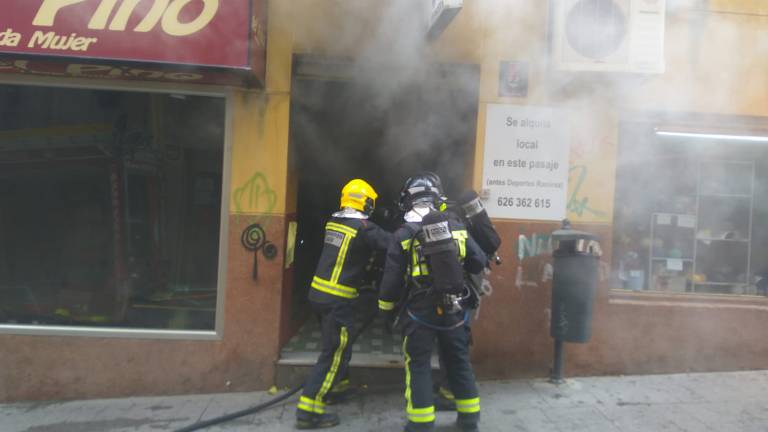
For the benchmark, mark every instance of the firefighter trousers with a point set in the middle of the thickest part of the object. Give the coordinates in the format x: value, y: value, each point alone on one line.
x: 336, y: 321
x: 441, y: 385
x: 453, y: 344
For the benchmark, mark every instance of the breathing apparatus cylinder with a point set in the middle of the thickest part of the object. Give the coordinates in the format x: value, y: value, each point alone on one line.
x: 478, y: 223
x: 442, y: 256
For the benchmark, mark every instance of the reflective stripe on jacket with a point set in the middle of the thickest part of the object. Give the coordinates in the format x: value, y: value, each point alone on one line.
x: 417, y: 264
x: 399, y: 262
x: 347, y: 249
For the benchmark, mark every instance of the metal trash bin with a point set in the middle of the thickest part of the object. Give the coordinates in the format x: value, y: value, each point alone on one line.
x: 576, y: 259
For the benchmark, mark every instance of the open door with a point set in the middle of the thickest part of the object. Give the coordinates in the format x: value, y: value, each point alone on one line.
x: 344, y: 127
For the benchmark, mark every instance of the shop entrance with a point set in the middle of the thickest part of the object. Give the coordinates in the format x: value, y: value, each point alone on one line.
x: 382, y: 127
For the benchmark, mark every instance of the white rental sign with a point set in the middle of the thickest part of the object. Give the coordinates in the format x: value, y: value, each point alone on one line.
x: 525, y: 166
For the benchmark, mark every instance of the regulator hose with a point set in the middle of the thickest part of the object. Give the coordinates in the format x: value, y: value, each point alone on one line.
x: 269, y: 403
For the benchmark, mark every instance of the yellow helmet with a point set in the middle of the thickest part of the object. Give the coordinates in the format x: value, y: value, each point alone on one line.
x: 359, y: 195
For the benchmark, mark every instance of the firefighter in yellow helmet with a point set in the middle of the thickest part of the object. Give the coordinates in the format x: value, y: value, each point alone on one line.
x: 350, y: 241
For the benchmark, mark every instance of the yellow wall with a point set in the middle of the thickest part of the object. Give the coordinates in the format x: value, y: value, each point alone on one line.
x: 707, y: 71
x: 260, y: 127
x: 716, y: 62
x: 757, y: 7
x: 491, y: 31
x: 261, y: 178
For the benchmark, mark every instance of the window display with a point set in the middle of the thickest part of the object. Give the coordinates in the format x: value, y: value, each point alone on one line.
x: 690, y: 214
x: 110, y: 208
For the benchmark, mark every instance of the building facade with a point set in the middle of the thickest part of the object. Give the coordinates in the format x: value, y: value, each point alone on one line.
x: 162, y: 198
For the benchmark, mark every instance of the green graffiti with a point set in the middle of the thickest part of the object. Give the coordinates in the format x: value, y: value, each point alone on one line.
x: 577, y: 204
x: 538, y: 244
x: 255, y: 195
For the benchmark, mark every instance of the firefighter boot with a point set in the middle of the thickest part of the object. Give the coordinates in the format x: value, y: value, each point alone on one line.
x: 308, y: 420
x: 468, y: 423
x: 468, y: 427
x: 419, y: 427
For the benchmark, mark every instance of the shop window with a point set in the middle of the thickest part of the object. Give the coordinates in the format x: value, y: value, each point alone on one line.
x: 691, y: 213
x: 110, y: 208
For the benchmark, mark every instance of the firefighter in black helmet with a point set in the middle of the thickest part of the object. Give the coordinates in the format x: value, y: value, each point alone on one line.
x: 350, y: 240
x: 424, y: 279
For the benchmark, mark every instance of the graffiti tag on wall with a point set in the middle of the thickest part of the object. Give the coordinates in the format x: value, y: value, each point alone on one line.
x: 534, y: 265
x: 539, y: 270
x: 255, y: 195
x: 579, y: 202
x: 254, y: 239
x: 538, y: 244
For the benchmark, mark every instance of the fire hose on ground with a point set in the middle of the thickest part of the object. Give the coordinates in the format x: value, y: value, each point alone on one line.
x: 252, y: 410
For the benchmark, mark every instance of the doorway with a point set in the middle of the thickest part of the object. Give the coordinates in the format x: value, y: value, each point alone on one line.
x: 347, y: 124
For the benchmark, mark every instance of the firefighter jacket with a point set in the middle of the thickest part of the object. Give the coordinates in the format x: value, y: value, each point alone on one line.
x: 347, y: 249
x: 405, y: 262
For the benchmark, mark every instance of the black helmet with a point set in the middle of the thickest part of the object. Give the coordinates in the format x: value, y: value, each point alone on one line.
x: 424, y: 187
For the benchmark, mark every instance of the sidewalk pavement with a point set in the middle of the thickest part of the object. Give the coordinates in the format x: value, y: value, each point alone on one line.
x: 721, y: 402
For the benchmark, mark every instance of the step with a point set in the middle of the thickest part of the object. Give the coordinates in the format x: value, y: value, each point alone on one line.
x: 369, y: 369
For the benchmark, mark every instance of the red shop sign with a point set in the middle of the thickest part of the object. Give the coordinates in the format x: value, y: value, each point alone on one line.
x: 226, y: 34
x: 124, y: 72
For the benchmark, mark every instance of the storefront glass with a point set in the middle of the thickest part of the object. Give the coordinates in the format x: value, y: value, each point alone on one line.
x: 110, y: 208
x: 691, y: 213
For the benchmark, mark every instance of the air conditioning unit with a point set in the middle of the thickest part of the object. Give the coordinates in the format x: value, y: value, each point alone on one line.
x: 441, y: 14
x: 608, y: 35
